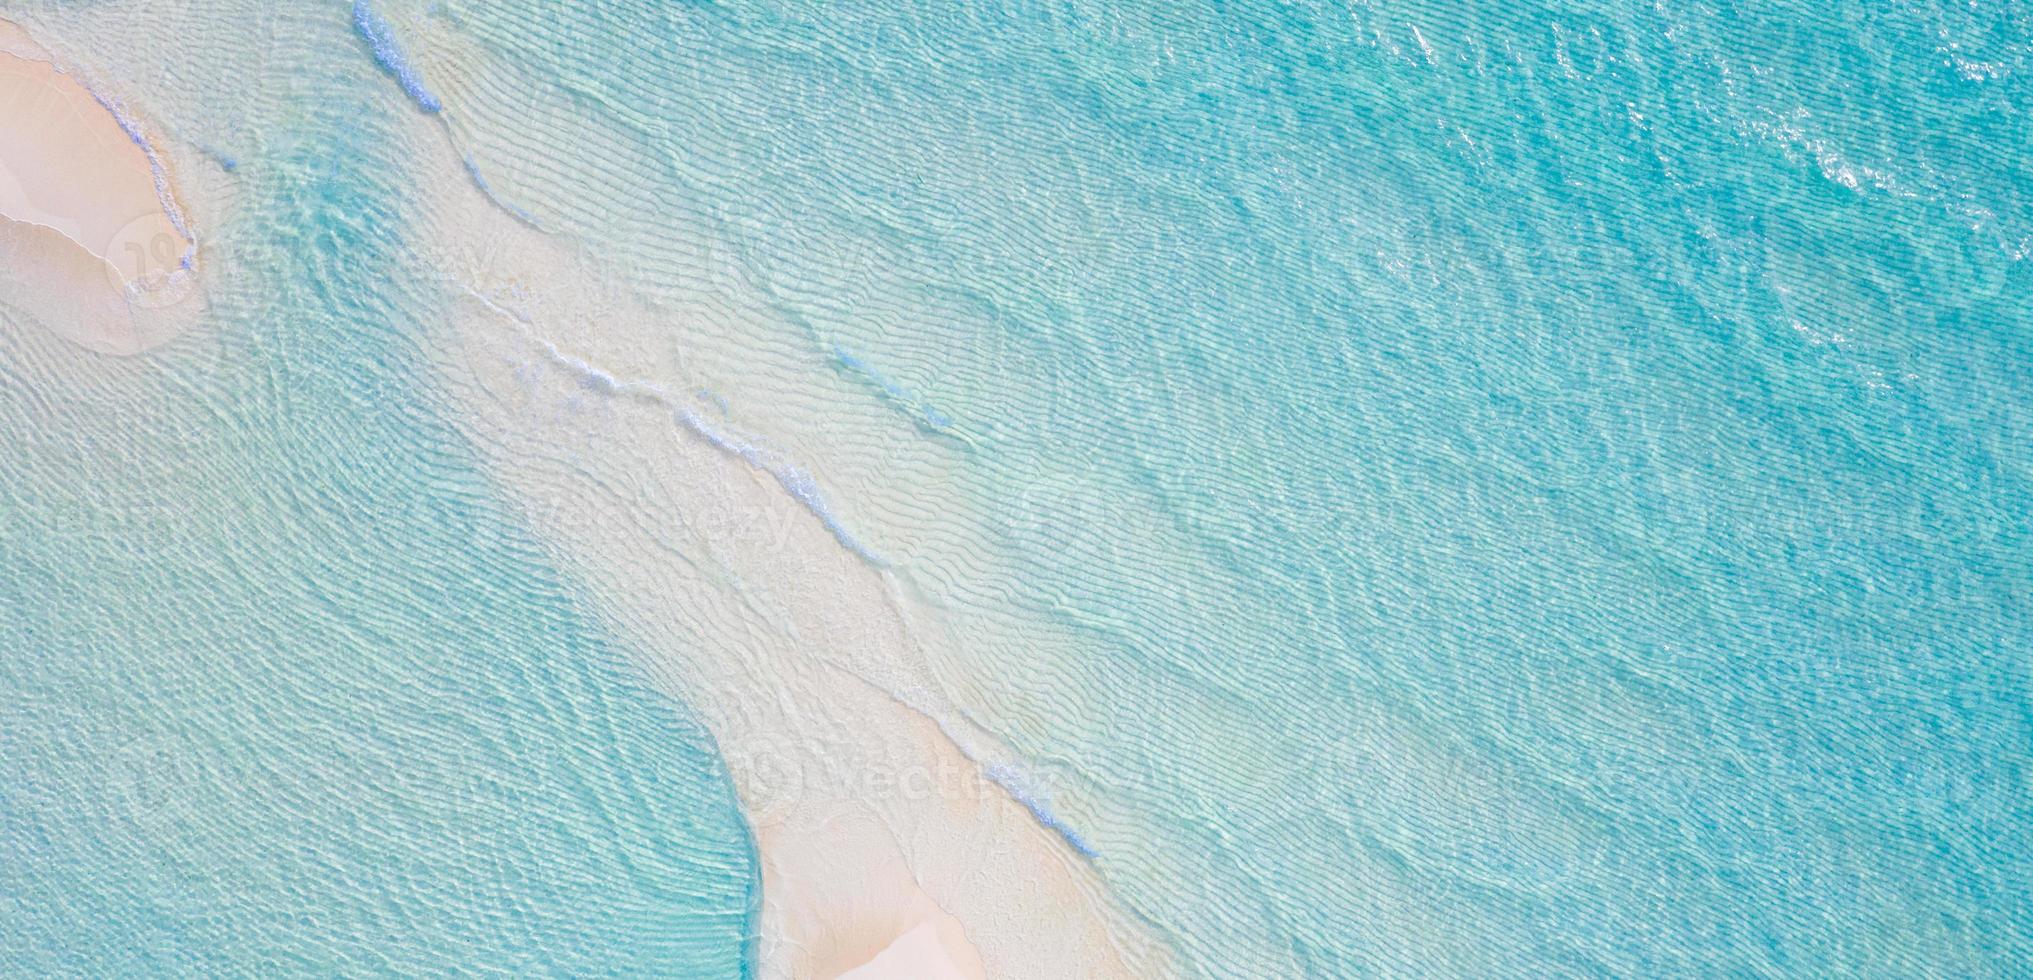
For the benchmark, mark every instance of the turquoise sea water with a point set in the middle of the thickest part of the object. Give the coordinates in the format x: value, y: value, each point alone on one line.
x: 1473, y: 488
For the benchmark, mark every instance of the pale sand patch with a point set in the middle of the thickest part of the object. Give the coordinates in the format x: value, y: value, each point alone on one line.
x: 808, y: 667
x: 869, y: 819
x: 882, y: 846
x: 92, y: 253
x: 47, y: 281
x: 928, y: 952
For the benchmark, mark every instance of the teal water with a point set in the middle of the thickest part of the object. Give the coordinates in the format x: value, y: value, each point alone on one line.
x: 1479, y: 489
x: 1536, y: 488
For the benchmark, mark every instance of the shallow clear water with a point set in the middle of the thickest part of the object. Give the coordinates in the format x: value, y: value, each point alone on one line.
x: 1463, y: 488
x: 289, y: 689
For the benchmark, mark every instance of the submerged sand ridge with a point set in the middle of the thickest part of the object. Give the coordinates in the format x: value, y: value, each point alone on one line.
x: 885, y: 849
x: 93, y: 244
x: 885, y: 846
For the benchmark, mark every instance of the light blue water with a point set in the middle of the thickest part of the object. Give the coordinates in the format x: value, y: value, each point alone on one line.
x: 1535, y: 489
x: 287, y: 690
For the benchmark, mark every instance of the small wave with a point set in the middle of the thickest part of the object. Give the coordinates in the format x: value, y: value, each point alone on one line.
x: 1013, y: 782
x: 903, y: 397
x: 795, y: 481
x: 486, y: 189
x: 157, y: 172
x: 380, y: 38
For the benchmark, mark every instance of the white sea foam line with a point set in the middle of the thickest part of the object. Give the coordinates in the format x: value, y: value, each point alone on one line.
x: 794, y: 480
x: 158, y: 172
x: 388, y: 53
x: 795, y: 484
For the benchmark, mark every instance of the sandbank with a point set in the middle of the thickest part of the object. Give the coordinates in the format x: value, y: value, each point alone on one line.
x: 96, y: 247
x: 884, y: 847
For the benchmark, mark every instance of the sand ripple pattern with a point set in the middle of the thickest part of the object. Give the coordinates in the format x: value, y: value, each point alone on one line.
x: 1408, y: 489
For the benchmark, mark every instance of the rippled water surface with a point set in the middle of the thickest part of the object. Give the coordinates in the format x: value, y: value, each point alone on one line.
x: 1432, y: 488
x: 287, y: 690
